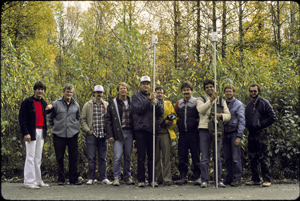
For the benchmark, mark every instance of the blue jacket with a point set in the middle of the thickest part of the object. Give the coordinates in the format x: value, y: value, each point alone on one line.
x: 142, y: 112
x: 237, y: 121
x: 262, y: 117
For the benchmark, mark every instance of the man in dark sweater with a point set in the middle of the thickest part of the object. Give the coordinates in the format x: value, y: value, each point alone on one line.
x: 32, y: 119
x: 259, y: 116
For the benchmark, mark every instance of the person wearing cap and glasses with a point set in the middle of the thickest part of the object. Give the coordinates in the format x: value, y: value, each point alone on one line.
x: 64, y: 119
x: 93, y: 124
x: 259, y: 116
x: 119, y: 132
x: 142, y: 108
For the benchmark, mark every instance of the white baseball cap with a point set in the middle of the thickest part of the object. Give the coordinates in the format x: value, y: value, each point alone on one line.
x: 145, y: 79
x: 98, y: 88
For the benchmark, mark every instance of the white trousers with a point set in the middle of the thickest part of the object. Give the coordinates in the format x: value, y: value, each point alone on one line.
x: 32, y: 168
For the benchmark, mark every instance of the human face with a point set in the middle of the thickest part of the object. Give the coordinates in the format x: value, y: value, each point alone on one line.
x: 98, y: 95
x: 68, y: 93
x: 123, y: 91
x: 145, y: 87
x: 253, y: 92
x: 160, y: 94
x: 209, y: 89
x: 229, y: 93
x: 187, y: 93
x: 38, y: 93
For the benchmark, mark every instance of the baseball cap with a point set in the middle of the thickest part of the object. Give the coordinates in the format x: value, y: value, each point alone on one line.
x: 98, y: 88
x: 145, y: 79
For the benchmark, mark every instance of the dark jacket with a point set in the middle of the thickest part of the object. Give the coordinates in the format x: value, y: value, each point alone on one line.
x: 237, y: 121
x: 27, y: 118
x: 262, y: 117
x: 142, y: 109
x: 113, y: 126
x: 187, y: 113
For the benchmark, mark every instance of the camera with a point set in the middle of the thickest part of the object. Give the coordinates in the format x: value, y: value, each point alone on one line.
x: 170, y: 117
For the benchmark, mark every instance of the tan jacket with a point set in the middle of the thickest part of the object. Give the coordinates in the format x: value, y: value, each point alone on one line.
x: 86, y: 119
x: 204, y: 110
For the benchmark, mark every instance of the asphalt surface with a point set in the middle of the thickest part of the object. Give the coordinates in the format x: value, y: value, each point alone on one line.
x: 17, y: 191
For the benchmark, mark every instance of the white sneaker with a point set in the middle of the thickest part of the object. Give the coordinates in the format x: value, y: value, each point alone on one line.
x: 90, y: 182
x: 106, y: 181
x: 42, y: 184
x: 32, y: 186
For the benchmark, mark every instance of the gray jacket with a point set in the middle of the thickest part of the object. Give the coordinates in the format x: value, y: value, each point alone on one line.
x: 64, y: 118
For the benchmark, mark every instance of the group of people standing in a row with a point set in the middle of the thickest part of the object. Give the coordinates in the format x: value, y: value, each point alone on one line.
x: 125, y: 119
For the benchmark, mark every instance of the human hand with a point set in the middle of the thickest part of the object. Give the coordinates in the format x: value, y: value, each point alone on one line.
x: 213, y: 96
x: 237, y: 141
x: 27, y: 138
x: 168, y: 123
x: 111, y: 140
x: 90, y: 132
x: 49, y: 107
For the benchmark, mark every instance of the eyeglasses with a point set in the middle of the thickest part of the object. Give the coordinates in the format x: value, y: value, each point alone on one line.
x: 251, y: 91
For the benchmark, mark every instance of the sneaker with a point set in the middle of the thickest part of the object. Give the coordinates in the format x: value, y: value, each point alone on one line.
x: 250, y: 183
x: 203, y: 185
x: 266, y: 184
x: 106, y: 181
x: 42, y: 184
x: 182, y: 181
x: 32, y: 186
x: 60, y: 183
x: 198, y: 182
x: 155, y: 184
x: 141, y: 184
x: 116, y: 182
x: 129, y: 181
x: 221, y: 185
x: 90, y: 182
x: 235, y: 183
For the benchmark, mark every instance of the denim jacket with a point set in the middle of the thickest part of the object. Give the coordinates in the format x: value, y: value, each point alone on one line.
x: 237, y: 121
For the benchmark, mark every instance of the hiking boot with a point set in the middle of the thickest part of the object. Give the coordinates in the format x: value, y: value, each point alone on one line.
x: 129, y: 181
x: 235, y: 183
x: 116, y: 182
x: 251, y: 183
x: 266, y: 184
x: 168, y: 183
x: 203, y: 185
x: 141, y: 184
x: 198, y: 182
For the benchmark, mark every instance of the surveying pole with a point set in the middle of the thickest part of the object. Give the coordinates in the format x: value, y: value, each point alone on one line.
x: 154, y: 42
x: 214, y: 40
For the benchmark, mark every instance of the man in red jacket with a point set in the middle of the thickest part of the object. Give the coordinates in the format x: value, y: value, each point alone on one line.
x: 32, y: 119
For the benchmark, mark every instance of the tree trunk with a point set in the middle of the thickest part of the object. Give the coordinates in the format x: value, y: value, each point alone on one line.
x: 175, y: 34
x: 198, y: 46
x: 241, y: 34
x: 224, y: 29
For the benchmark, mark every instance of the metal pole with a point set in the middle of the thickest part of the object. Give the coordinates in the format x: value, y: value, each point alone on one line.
x: 154, y: 41
x: 214, y: 39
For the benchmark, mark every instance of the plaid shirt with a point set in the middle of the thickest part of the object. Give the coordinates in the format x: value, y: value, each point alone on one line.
x: 126, y: 121
x: 98, y: 119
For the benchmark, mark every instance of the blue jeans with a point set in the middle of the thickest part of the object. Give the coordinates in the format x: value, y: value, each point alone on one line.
x: 119, y: 148
x: 232, y: 157
x: 205, y: 141
x: 92, y: 144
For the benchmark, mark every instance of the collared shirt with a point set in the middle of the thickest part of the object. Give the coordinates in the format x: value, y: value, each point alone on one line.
x: 98, y: 119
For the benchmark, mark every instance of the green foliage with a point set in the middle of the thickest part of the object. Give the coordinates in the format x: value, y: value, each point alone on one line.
x: 114, y: 45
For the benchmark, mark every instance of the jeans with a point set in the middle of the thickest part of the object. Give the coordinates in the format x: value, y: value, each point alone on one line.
x: 144, y: 144
x: 232, y: 157
x: 120, y: 147
x: 60, y: 148
x: 205, y: 140
x: 188, y: 141
x: 163, y: 164
x: 32, y: 168
x: 92, y: 144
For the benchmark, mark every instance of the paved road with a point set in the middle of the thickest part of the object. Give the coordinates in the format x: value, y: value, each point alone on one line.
x: 16, y: 191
